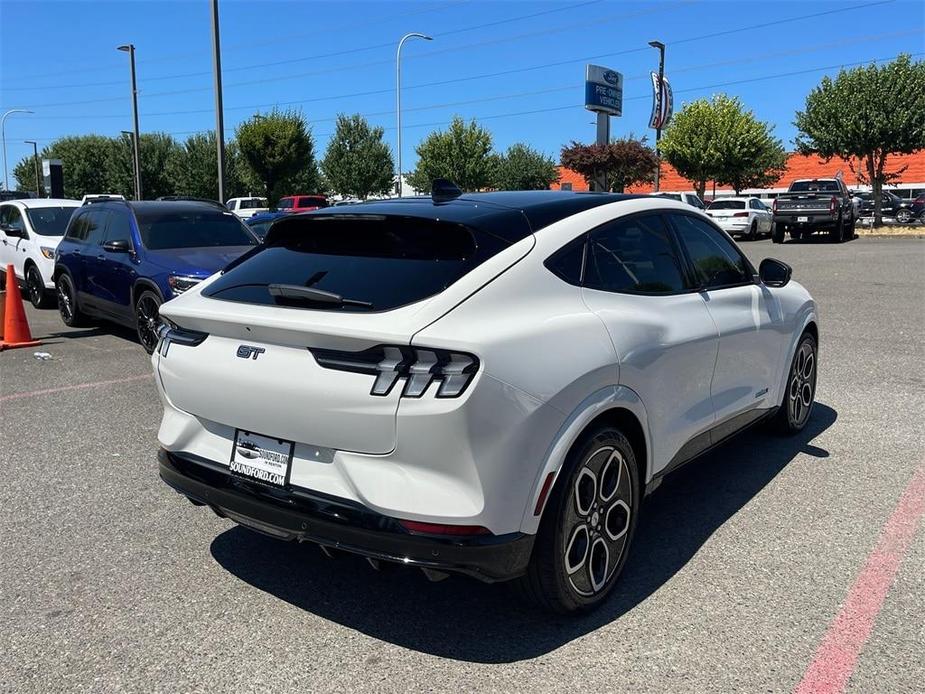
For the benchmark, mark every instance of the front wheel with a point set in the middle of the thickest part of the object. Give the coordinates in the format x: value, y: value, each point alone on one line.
x: 800, y: 395
x: 70, y: 312
x: 146, y: 319
x: 587, y: 527
x: 35, y: 286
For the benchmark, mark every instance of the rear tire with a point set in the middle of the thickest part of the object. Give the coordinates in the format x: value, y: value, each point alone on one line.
x: 587, y: 527
x: 837, y: 232
x: 777, y: 233
x: 753, y: 232
x: 71, y: 314
x: 35, y: 286
x: 903, y: 216
x: 147, y: 317
x: 800, y: 394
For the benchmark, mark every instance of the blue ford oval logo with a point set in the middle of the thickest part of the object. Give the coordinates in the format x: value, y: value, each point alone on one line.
x: 611, y: 77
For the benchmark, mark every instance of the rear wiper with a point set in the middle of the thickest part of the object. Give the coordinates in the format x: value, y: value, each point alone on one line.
x: 316, y: 296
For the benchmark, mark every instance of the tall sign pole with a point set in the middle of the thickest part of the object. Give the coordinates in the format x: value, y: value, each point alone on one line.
x: 659, y: 103
x: 219, y: 115
x: 604, y: 96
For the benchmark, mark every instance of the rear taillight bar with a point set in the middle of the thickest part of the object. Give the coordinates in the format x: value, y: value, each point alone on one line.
x: 419, y: 366
x: 170, y: 333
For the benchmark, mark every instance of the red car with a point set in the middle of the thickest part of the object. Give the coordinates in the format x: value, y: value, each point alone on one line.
x: 301, y: 203
x: 918, y: 208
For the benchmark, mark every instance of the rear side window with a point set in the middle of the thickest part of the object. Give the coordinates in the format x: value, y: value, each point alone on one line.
x: 96, y: 226
x: 77, y: 231
x: 373, y: 263
x: 633, y: 255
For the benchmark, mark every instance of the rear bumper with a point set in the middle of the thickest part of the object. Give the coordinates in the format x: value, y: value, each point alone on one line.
x: 342, y: 524
x: 812, y: 220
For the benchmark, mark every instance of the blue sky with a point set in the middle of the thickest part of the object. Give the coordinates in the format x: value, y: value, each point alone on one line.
x: 516, y: 66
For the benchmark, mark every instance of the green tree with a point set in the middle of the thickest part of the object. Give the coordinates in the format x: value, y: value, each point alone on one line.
x: 86, y: 163
x: 462, y: 154
x: 24, y: 174
x: 160, y: 158
x: 867, y: 113
x: 626, y: 161
x: 524, y: 168
x: 720, y: 140
x: 279, y: 150
x: 357, y: 162
x: 197, y: 169
x: 750, y: 156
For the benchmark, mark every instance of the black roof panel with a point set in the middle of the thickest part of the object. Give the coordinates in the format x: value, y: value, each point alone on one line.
x: 539, y: 208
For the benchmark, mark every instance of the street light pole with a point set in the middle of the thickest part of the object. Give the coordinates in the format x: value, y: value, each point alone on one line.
x: 219, y: 115
x: 658, y: 108
x: 6, y: 180
x: 136, y: 158
x: 413, y: 35
x: 35, y: 160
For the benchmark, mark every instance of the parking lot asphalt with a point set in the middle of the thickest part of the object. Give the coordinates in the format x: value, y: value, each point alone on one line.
x: 742, y: 564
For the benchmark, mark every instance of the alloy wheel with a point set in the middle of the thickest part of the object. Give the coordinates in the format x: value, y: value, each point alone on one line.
x: 65, y: 299
x: 146, y: 314
x: 801, y: 391
x: 35, y: 286
x: 597, y: 521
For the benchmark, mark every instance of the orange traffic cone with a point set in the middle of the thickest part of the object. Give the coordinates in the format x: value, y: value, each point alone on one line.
x: 15, y: 326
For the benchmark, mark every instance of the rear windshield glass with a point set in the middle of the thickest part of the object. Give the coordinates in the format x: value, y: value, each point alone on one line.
x: 374, y: 263
x: 814, y: 187
x: 253, y: 203
x: 284, y: 204
x: 191, y: 229
x: 313, y: 202
x: 727, y: 205
x: 50, y: 221
x: 670, y: 196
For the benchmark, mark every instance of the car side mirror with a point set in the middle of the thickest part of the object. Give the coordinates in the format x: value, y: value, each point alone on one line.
x: 774, y: 273
x: 117, y: 246
x: 11, y: 230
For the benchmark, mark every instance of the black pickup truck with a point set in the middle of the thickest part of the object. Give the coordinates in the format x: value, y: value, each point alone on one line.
x: 819, y: 204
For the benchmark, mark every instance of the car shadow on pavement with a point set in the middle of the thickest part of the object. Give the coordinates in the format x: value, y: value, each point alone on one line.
x: 467, y: 620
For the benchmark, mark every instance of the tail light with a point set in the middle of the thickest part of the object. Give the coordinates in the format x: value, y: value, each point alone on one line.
x: 171, y: 333
x: 740, y: 214
x: 833, y: 205
x: 418, y: 366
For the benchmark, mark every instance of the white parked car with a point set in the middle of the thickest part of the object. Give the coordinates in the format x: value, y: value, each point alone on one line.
x: 30, y: 231
x: 246, y: 208
x: 489, y: 385
x: 743, y: 216
x: 691, y: 199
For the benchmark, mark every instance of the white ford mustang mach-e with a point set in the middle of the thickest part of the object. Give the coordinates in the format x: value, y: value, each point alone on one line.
x: 486, y: 384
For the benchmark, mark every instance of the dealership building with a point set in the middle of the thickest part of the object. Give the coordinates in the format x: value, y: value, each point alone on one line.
x: 911, y: 181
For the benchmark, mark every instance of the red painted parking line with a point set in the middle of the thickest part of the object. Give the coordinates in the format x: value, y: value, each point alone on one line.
x: 837, y: 655
x: 78, y: 386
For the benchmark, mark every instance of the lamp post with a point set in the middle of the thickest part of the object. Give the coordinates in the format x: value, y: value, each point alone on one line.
x: 6, y: 180
x: 658, y: 107
x: 135, y: 173
x: 219, y: 115
x: 35, y: 160
x: 413, y: 35
x: 130, y: 49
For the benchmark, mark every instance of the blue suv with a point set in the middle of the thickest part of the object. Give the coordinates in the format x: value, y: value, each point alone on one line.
x: 119, y: 261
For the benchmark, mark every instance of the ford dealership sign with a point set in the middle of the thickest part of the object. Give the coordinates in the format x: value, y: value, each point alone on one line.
x: 603, y: 90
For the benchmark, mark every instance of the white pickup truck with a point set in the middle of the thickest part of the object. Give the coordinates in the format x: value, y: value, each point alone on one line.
x: 247, y: 207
